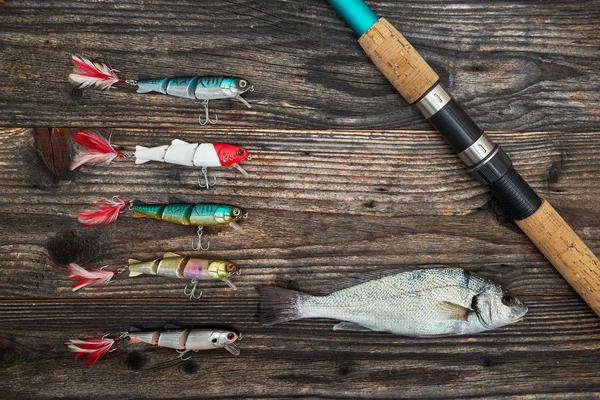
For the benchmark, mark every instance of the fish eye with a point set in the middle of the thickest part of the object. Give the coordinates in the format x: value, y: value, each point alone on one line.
x: 508, y: 301
x: 240, y: 152
x: 214, y: 340
x: 237, y: 212
x: 230, y: 267
x: 230, y: 336
x: 243, y: 83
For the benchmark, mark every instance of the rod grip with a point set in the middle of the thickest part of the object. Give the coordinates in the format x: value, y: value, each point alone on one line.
x: 401, y: 64
x: 566, y: 251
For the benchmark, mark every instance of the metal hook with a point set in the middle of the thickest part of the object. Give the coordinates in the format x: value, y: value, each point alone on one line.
x: 182, y: 353
x: 199, y: 246
x: 206, y: 185
x: 191, y: 292
x: 207, y: 116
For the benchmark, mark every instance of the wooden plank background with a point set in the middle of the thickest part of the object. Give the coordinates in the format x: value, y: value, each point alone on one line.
x: 346, y: 178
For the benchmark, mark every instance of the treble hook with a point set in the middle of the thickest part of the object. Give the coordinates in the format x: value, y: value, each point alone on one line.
x: 199, y: 247
x: 206, y: 185
x: 207, y: 116
x: 191, y: 292
x: 182, y: 353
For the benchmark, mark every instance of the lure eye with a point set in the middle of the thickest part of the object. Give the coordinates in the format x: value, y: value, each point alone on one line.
x: 243, y: 83
x: 214, y: 340
x: 237, y: 212
x: 230, y: 267
x: 230, y: 336
x: 508, y: 301
x: 240, y: 152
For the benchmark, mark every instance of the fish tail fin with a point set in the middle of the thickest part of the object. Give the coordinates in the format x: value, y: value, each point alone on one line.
x: 278, y: 305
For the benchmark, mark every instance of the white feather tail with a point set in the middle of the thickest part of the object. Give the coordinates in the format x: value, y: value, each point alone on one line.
x: 87, y: 74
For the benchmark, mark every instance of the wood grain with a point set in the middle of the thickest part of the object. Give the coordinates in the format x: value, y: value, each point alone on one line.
x: 322, y: 205
x: 398, y: 60
x: 346, y: 178
x: 516, y: 65
x: 566, y: 251
x: 541, y: 356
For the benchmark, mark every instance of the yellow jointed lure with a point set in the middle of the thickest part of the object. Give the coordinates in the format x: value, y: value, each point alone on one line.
x: 171, y: 265
x: 199, y: 214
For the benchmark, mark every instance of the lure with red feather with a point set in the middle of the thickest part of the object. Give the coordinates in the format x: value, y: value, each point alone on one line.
x: 172, y: 336
x: 94, y: 149
x: 87, y: 74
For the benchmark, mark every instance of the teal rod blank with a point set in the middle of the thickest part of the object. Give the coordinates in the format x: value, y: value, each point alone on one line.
x: 356, y: 13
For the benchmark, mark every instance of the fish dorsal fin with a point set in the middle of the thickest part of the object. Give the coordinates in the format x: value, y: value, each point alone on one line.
x: 178, y: 142
x: 454, y: 311
x: 135, y: 329
x: 133, y: 261
x: 347, y: 282
x: 169, y: 325
x: 350, y: 326
x: 169, y: 254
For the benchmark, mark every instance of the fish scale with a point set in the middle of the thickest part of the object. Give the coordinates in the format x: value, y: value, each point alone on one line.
x: 429, y: 302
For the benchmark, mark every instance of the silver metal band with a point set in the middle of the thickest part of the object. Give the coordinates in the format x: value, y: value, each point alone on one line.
x: 478, y: 151
x: 433, y: 101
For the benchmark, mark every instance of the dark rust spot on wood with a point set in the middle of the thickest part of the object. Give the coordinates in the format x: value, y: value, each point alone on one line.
x: 135, y: 361
x: 54, y: 147
x: 68, y: 247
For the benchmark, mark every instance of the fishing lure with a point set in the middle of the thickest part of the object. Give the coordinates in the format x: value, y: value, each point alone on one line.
x: 93, y: 149
x: 170, y: 265
x: 200, y: 215
x: 87, y: 73
x: 171, y: 336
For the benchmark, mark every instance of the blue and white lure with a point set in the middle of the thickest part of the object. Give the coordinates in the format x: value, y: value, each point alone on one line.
x: 87, y: 74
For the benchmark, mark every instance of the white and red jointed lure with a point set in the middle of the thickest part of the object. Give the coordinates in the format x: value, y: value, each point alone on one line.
x: 93, y: 149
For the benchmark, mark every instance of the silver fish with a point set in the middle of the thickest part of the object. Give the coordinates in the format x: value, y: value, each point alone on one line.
x: 421, y: 303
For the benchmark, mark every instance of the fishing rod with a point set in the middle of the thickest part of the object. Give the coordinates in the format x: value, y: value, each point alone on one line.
x: 410, y: 74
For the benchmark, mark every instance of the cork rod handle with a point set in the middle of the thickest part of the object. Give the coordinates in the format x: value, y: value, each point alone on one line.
x: 401, y: 64
x: 413, y: 78
x: 566, y: 251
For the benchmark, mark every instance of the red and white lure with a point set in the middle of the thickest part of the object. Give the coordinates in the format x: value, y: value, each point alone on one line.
x: 171, y: 336
x: 93, y: 149
x: 87, y: 74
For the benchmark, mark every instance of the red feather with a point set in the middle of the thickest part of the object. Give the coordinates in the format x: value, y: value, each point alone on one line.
x: 104, y: 214
x: 84, y: 278
x: 94, y: 348
x: 87, y: 73
x: 93, y: 149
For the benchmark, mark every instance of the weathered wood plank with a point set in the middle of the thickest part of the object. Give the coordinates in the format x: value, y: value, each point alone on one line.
x: 321, y: 205
x: 525, y: 65
x: 541, y: 356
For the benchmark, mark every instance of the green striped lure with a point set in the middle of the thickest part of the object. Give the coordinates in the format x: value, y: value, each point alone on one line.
x: 199, y: 214
x: 87, y: 73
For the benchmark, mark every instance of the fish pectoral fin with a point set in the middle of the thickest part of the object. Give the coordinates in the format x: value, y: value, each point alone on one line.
x: 169, y: 254
x: 178, y: 142
x: 351, y: 326
x: 133, y: 261
x: 133, y: 274
x: 454, y: 311
x: 171, y: 326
